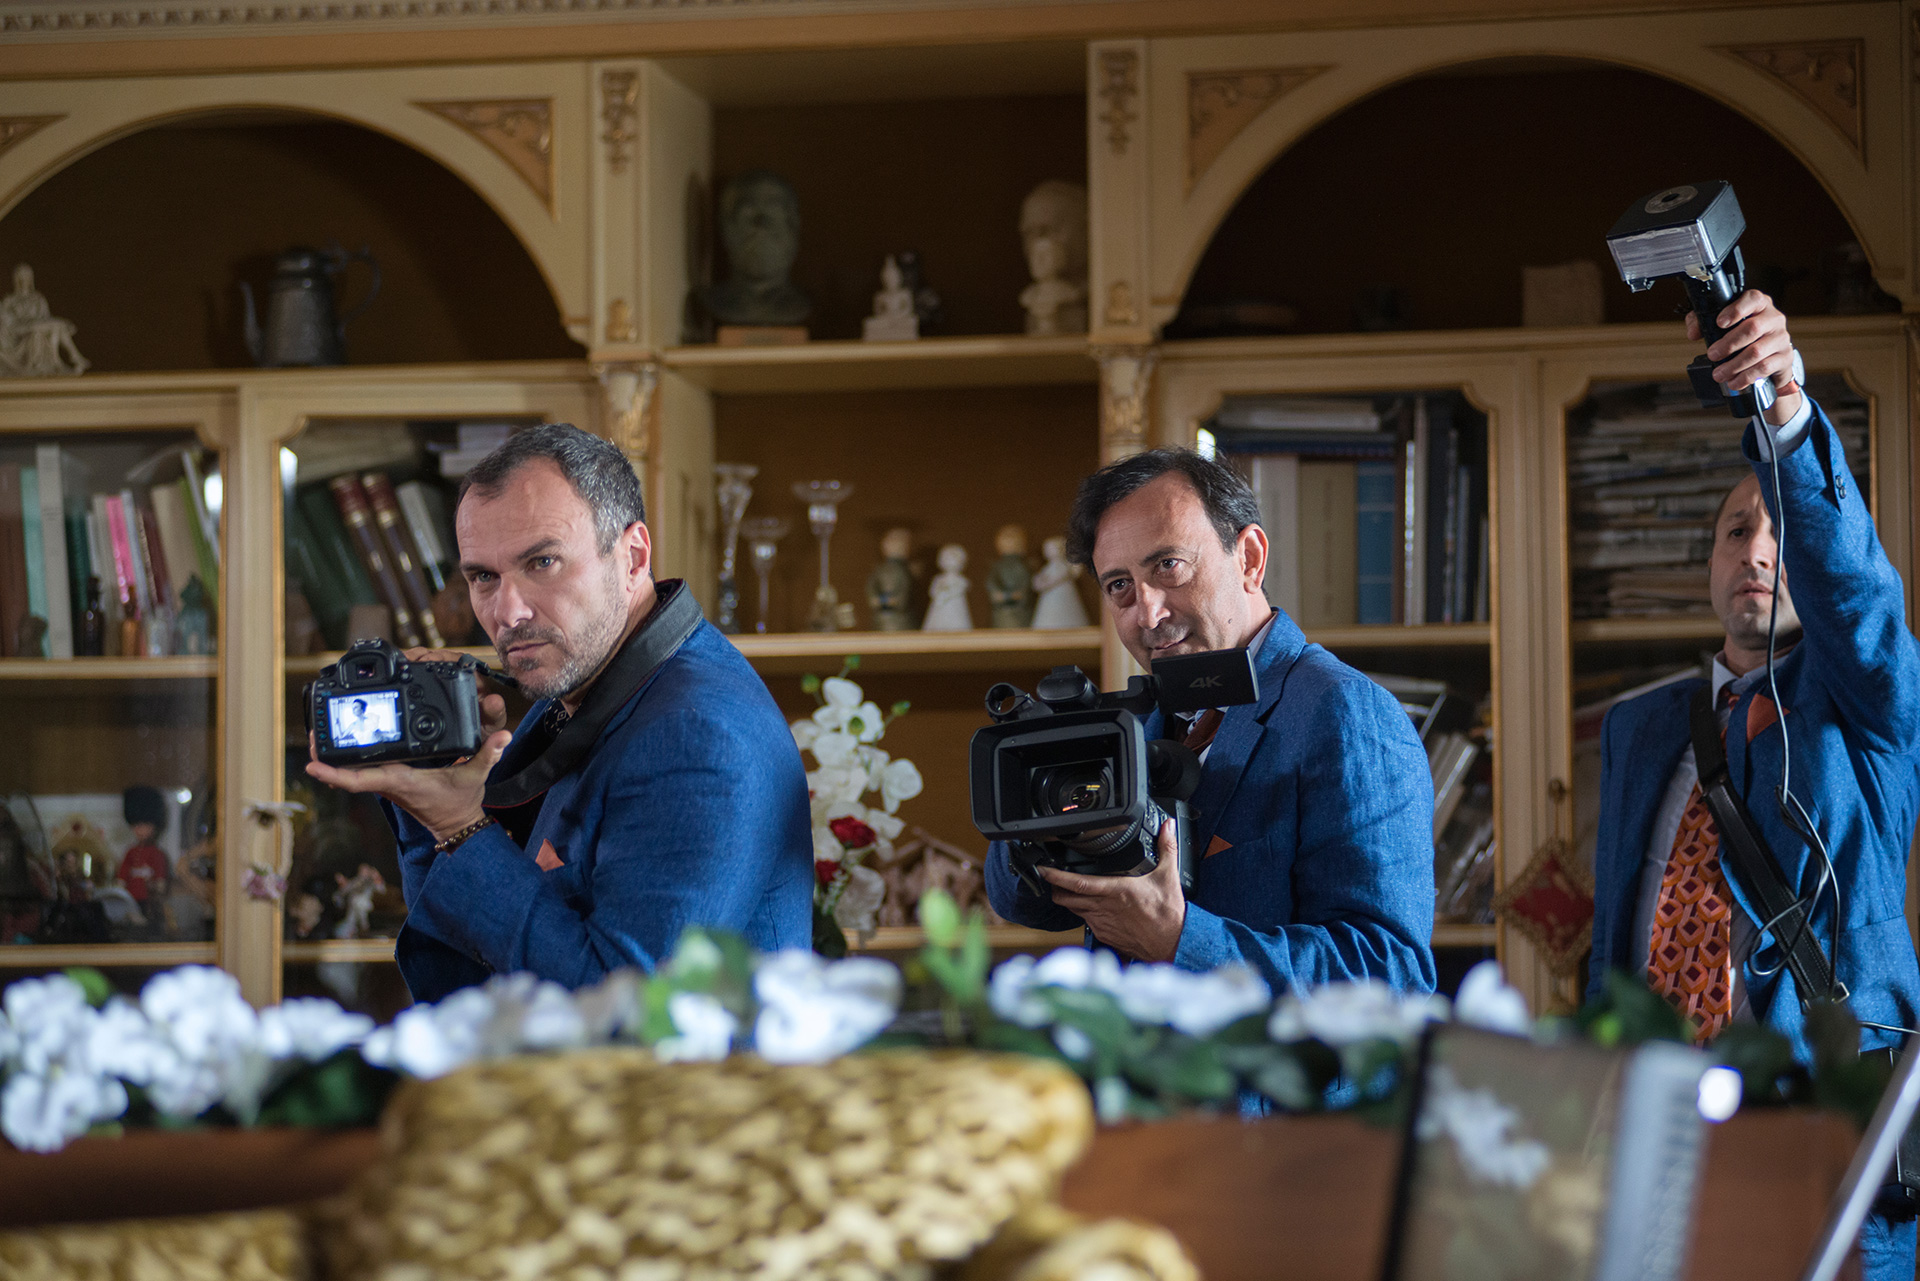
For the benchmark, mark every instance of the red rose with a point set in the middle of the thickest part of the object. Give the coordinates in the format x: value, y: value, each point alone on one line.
x: 824, y: 870
x: 852, y: 833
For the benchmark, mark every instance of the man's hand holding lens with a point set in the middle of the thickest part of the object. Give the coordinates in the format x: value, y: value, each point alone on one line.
x: 1138, y: 916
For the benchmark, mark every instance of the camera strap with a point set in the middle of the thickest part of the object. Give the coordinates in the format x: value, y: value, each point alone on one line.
x: 1746, y: 853
x: 675, y: 617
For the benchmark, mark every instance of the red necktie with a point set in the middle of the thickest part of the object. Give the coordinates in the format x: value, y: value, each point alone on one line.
x: 1201, y: 732
x: 1690, y: 955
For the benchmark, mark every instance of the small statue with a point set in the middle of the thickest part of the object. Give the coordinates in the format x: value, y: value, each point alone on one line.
x: 189, y: 907
x: 193, y: 627
x: 34, y: 343
x: 760, y: 226
x: 354, y: 898
x: 894, y: 318
x: 1053, y: 228
x: 947, y: 610
x: 144, y: 868
x: 1059, y: 603
x: 926, y: 300
x: 890, y: 585
x: 1010, y: 582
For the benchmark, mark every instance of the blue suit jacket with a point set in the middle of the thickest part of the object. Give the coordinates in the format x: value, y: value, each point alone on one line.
x: 690, y: 810
x: 1321, y: 796
x: 1852, y: 692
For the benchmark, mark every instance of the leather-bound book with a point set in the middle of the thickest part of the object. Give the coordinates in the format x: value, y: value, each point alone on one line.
x: 404, y: 553
x: 357, y: 514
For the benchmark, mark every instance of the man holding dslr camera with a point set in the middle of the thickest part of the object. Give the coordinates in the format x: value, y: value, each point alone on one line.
x: 654, y: 784
x: 1312, y: 828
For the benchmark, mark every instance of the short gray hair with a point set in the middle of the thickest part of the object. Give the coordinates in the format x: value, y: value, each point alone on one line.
x: 596, y: 469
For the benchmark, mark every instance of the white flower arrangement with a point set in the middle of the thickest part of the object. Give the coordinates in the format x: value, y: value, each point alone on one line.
x: 847, y: 829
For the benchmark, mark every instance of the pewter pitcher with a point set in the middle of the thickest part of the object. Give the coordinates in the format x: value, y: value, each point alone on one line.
x: 303, y: 325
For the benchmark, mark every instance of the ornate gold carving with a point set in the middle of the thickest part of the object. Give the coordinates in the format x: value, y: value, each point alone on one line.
x: 620, y: 322
x: 1824, y: 74
x: 628, y: 404
x: 619, y: 111
x: 1222, y: 103
x: 17, y: 129
x: 1120, y: 308
x: 1119, y: 86
x: 518, y: 130
x: 1126, y: 375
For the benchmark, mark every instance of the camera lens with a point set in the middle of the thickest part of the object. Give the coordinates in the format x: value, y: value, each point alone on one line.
x: 1072, y: 789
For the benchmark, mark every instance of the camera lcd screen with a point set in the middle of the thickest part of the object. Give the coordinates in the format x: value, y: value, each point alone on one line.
x: 362, y: 720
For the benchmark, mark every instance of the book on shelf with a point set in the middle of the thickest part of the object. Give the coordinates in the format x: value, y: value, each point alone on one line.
x: 52, y: 477
x: 425, y: 510
x: 356, y: 513
x: 1463, y: 860
x: 13, y: 562
x: 402, y: 553
x: 33, y: 554
x: 474, y: 442
x: 1376, y: 509
x: 1449, y: 758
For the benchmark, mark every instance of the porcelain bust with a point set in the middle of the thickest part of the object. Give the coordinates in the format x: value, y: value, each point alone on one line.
x: 1053, y: 231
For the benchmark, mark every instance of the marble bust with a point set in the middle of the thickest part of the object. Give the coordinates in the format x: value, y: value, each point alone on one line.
x: 1053, y: 231
x: 760, y: 226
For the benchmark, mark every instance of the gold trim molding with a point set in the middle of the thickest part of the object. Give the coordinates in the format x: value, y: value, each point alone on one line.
x: 1221, y: 104
x: 17, y: 129
x: 1119, y: 86
x: 619, y: 111
x: 518, y: 130
x: 1824, y: 74
x: 1126, y: 375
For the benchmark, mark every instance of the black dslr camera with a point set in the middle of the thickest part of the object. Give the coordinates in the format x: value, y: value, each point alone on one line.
x: 375, y: 705
x: 1692, y: 231
x: 1068, y: 778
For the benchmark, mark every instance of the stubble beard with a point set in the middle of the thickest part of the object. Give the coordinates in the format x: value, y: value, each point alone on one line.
x: 582, y: 656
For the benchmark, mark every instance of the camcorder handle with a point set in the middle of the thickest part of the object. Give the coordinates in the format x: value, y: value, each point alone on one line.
x: 1709, y: 294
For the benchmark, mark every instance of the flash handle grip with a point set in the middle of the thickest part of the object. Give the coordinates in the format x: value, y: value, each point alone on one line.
x: 1709, y: 298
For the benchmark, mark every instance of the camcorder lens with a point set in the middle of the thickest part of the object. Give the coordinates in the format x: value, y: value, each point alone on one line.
x: 1072, y: 789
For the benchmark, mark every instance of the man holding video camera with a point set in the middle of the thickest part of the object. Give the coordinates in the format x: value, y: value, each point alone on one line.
x: 1312, y: 829
x: 1673, y: 901
x: 653, y: 786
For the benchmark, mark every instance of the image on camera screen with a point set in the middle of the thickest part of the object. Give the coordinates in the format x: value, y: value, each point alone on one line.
x: 361, y: 720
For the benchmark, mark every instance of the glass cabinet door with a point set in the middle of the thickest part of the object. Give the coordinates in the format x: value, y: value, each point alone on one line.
x: 110, y: 555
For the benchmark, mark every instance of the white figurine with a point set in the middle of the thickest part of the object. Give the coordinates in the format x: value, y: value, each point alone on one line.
x: 1056, y: 585
x: 893, y: 318
x: 1053, y: 229
x: 947, y: 608
x: 34, y: 343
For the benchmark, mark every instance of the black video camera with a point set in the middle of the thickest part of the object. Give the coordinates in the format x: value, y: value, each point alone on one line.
x: 1068, y: 778
x: 1692, y: 231
x: 376, y: 705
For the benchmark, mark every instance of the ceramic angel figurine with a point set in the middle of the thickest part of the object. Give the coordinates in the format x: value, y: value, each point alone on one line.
x: 890, y: 585
x: 1059, y: 592
x: 1010, y: 581
x: 947, y: 611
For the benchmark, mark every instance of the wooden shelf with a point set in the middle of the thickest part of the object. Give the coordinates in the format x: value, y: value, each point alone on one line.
x: 181, y: 667
x: 911, y: 938
x: 1012, y: 360
x: 1391, y: 636
x: 1680, y: 627
x: 364, y: 951
x: 1466, y: 935
x: 983, y: 649
x: 53, y: 956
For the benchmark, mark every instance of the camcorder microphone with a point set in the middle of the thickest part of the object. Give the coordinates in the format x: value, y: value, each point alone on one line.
x: 1692, y: 231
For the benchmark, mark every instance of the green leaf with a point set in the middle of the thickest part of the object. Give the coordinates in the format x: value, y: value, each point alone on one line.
x: 92, y: 982
x: 940, y: 918
x: 829, y: 940
x: 340, y: 1091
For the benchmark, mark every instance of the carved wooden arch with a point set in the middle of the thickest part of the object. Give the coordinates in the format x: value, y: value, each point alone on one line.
x: 504, y: 185
x: 1321, y: 92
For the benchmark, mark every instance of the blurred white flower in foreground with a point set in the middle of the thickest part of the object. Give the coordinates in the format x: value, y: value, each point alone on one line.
x: 1340, y: 1014
x: 215, y: 1038
x: 1478, y: 1123
x: 311, y: 1028
x: 812, y: 1009
x: 1486, y: 1001
x: 1197, y: 1004
x: 703, y: 1029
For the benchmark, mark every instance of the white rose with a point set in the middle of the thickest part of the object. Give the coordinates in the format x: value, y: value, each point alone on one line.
x: 812, y: 1010
x: 427, y: 1041
x: 310, y: 1028
x: 51, y: 1019
x: 1010, y: 992
x: 703, y: 1029
x: 1077, y: 967
x: 215, y: 1033
x: 41, y: 1113
x: 1486, y: 1001
x: 1345, y: 1013
x: 1196, y: 1004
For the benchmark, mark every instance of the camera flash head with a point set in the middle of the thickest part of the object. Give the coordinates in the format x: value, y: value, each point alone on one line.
x: 1686, y: 230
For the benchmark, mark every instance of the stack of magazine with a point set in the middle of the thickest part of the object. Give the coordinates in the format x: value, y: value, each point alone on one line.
x: 1464, y: 846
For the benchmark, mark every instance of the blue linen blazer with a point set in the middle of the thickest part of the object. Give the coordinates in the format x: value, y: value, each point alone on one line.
x: 1851, y: 688
x: 690, y: 810
x: 1321, y: 801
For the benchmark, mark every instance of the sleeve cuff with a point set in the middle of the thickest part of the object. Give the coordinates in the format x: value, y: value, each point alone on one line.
x: 477, y: 898
x: 1788, y: 436
x: 1204, y: 944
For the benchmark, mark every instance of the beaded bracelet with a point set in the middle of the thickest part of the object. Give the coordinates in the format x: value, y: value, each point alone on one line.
x: 452, y: 842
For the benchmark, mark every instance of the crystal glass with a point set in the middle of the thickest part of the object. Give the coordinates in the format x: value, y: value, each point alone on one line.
x: 763, y: 534
x: 823, y: 499
x: 733, y: 490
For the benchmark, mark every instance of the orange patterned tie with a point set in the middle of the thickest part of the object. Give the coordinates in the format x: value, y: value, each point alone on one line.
x: 1690, y: 958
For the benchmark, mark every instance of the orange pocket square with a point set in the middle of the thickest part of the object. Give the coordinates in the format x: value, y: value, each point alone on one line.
x: 1215, y: 846
x: 549, y: 857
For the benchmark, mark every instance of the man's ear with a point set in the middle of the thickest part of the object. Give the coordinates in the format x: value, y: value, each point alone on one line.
x: 635, y: 547
x: 1251, y: 551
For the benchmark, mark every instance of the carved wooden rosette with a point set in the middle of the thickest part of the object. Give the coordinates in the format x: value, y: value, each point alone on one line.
x: 1221, y: 104
x: 628, y: 403
x: 1824, y: 74
x: 1119, y: 86
x: 518, y: 130
x: 619, y: 112
x: 17, y: 129
x: 1126, y: 376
